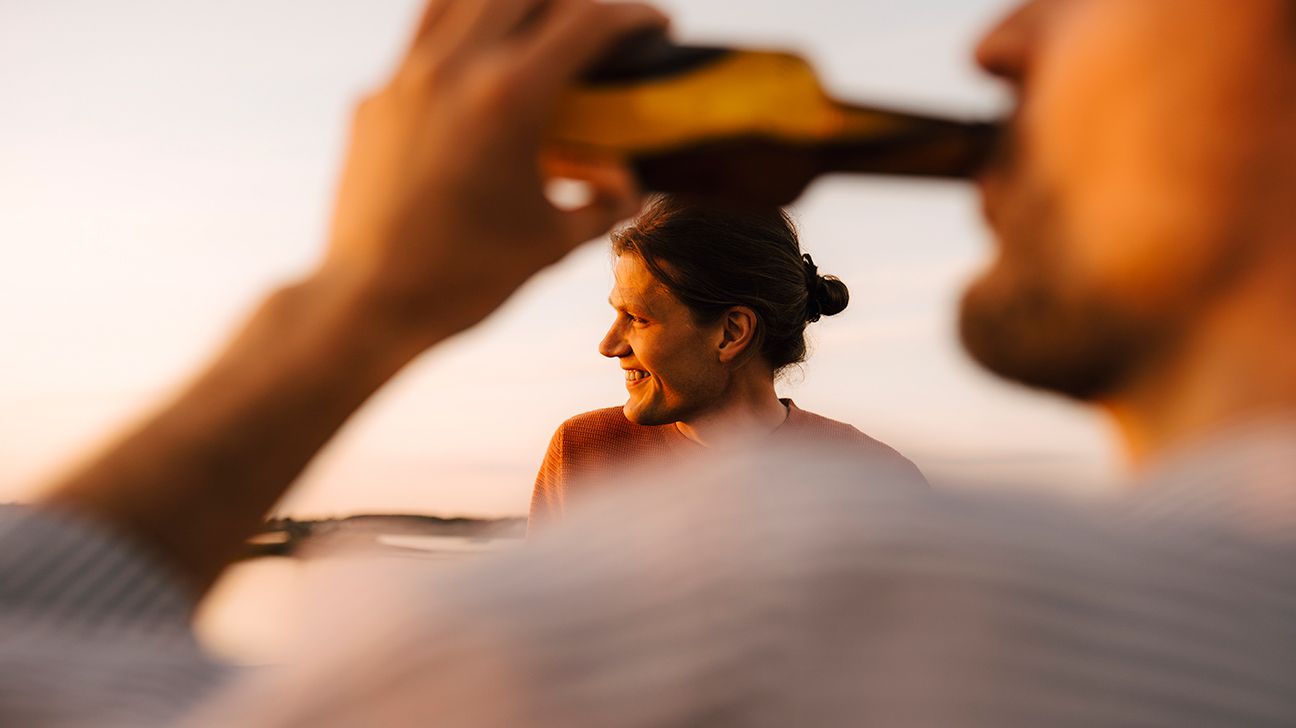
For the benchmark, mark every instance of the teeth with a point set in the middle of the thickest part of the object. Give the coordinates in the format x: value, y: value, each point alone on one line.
x: 634, y: 375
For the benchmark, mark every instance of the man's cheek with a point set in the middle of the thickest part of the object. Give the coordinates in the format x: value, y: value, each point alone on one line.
x: 1096, y: 68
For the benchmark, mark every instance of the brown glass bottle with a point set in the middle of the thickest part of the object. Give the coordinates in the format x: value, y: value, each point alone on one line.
x: 745, y: 126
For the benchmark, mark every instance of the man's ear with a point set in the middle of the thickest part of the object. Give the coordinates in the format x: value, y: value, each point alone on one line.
x: 737, y: 334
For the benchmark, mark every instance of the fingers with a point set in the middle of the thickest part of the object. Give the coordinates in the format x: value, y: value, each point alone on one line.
x: 481, y: 22
x: 564, y: 165
x: 433, y: 12
x: 548, y: 41
x: 451, y: 27
x: 573, y: 33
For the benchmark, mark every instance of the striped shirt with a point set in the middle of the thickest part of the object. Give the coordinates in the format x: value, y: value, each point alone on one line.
x: 771, y: 590
x: 92, y: 630
x: 767, y: 590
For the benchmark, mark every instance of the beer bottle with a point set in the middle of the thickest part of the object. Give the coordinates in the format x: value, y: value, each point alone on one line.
x: 748, y: 126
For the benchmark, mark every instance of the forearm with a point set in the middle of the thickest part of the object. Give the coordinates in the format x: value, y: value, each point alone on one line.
x: 197, y: 477
x: 441, y: 215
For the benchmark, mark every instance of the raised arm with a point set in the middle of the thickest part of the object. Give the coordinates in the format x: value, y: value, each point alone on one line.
x: 440, y: 217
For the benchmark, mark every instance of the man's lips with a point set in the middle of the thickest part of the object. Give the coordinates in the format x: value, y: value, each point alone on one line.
x: 635, y: 377
x: 997, y: 175
x: 990, y: 186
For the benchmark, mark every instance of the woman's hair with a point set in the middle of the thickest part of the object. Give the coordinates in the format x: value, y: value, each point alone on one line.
x: 714, y: 258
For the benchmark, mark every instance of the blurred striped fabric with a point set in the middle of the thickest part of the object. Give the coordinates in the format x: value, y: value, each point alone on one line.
x: 789, y: 588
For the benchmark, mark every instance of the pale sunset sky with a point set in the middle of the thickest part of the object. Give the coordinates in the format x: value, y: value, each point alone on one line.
x: 164, y: 163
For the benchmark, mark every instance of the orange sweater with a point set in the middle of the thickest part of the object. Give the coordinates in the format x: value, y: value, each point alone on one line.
x: 589, y: 450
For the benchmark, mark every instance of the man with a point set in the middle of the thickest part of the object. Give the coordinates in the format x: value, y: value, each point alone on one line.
x: 1158, y: 125
x: 1145, y: 261
x: 711, y: 307
x: 1146, y: 264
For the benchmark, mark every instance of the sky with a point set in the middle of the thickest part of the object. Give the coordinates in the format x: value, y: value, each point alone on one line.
x: 164, y: 164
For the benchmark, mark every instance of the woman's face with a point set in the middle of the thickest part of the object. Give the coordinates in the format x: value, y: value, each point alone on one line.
x: 672, y: 364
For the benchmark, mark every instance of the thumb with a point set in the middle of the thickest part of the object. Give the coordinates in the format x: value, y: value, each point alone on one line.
x: 614, y: 196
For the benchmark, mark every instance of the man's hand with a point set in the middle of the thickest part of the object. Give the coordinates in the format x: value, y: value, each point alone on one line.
x: 441, y: 213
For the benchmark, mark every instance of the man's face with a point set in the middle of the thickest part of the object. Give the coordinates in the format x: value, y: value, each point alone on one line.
x: 1142, y: 166
x: 672, y: 369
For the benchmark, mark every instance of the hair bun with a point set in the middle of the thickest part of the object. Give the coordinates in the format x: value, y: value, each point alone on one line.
x: 828, y: 295
x: 831, y: 295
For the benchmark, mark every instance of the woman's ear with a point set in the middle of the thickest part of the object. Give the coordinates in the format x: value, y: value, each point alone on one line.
x: 738, y: 331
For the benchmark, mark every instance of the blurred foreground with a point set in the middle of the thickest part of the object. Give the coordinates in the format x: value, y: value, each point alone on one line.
x: 255, y: 612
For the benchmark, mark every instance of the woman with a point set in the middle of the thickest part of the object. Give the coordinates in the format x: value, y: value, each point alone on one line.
x: 711, y: 306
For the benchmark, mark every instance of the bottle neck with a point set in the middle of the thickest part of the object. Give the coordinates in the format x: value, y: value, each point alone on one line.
x: 772, y: 171
x: 876, y: 141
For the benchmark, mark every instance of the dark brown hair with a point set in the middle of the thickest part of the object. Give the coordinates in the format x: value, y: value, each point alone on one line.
x: 714, y: 258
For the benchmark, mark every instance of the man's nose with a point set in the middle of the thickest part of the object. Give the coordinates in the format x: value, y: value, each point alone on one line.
x: 1005, y: 50
x: 614, y: 343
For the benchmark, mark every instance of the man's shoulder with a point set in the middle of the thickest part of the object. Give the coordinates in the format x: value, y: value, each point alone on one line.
x: 815, y: 423
x: 834, y: 433
x: 604, y: 433
x: 607, y: 420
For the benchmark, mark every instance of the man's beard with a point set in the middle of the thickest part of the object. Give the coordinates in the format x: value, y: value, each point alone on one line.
x: 1086, y: 349
x: 1026, y: 320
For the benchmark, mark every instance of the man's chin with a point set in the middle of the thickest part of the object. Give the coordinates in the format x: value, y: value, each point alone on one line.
x: 640, y: 415
x: 1084, y: 350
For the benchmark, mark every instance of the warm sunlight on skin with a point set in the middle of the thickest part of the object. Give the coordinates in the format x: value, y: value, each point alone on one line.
x: 703, y: 378
x: 670, y: 373
x: 1154, y: 241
